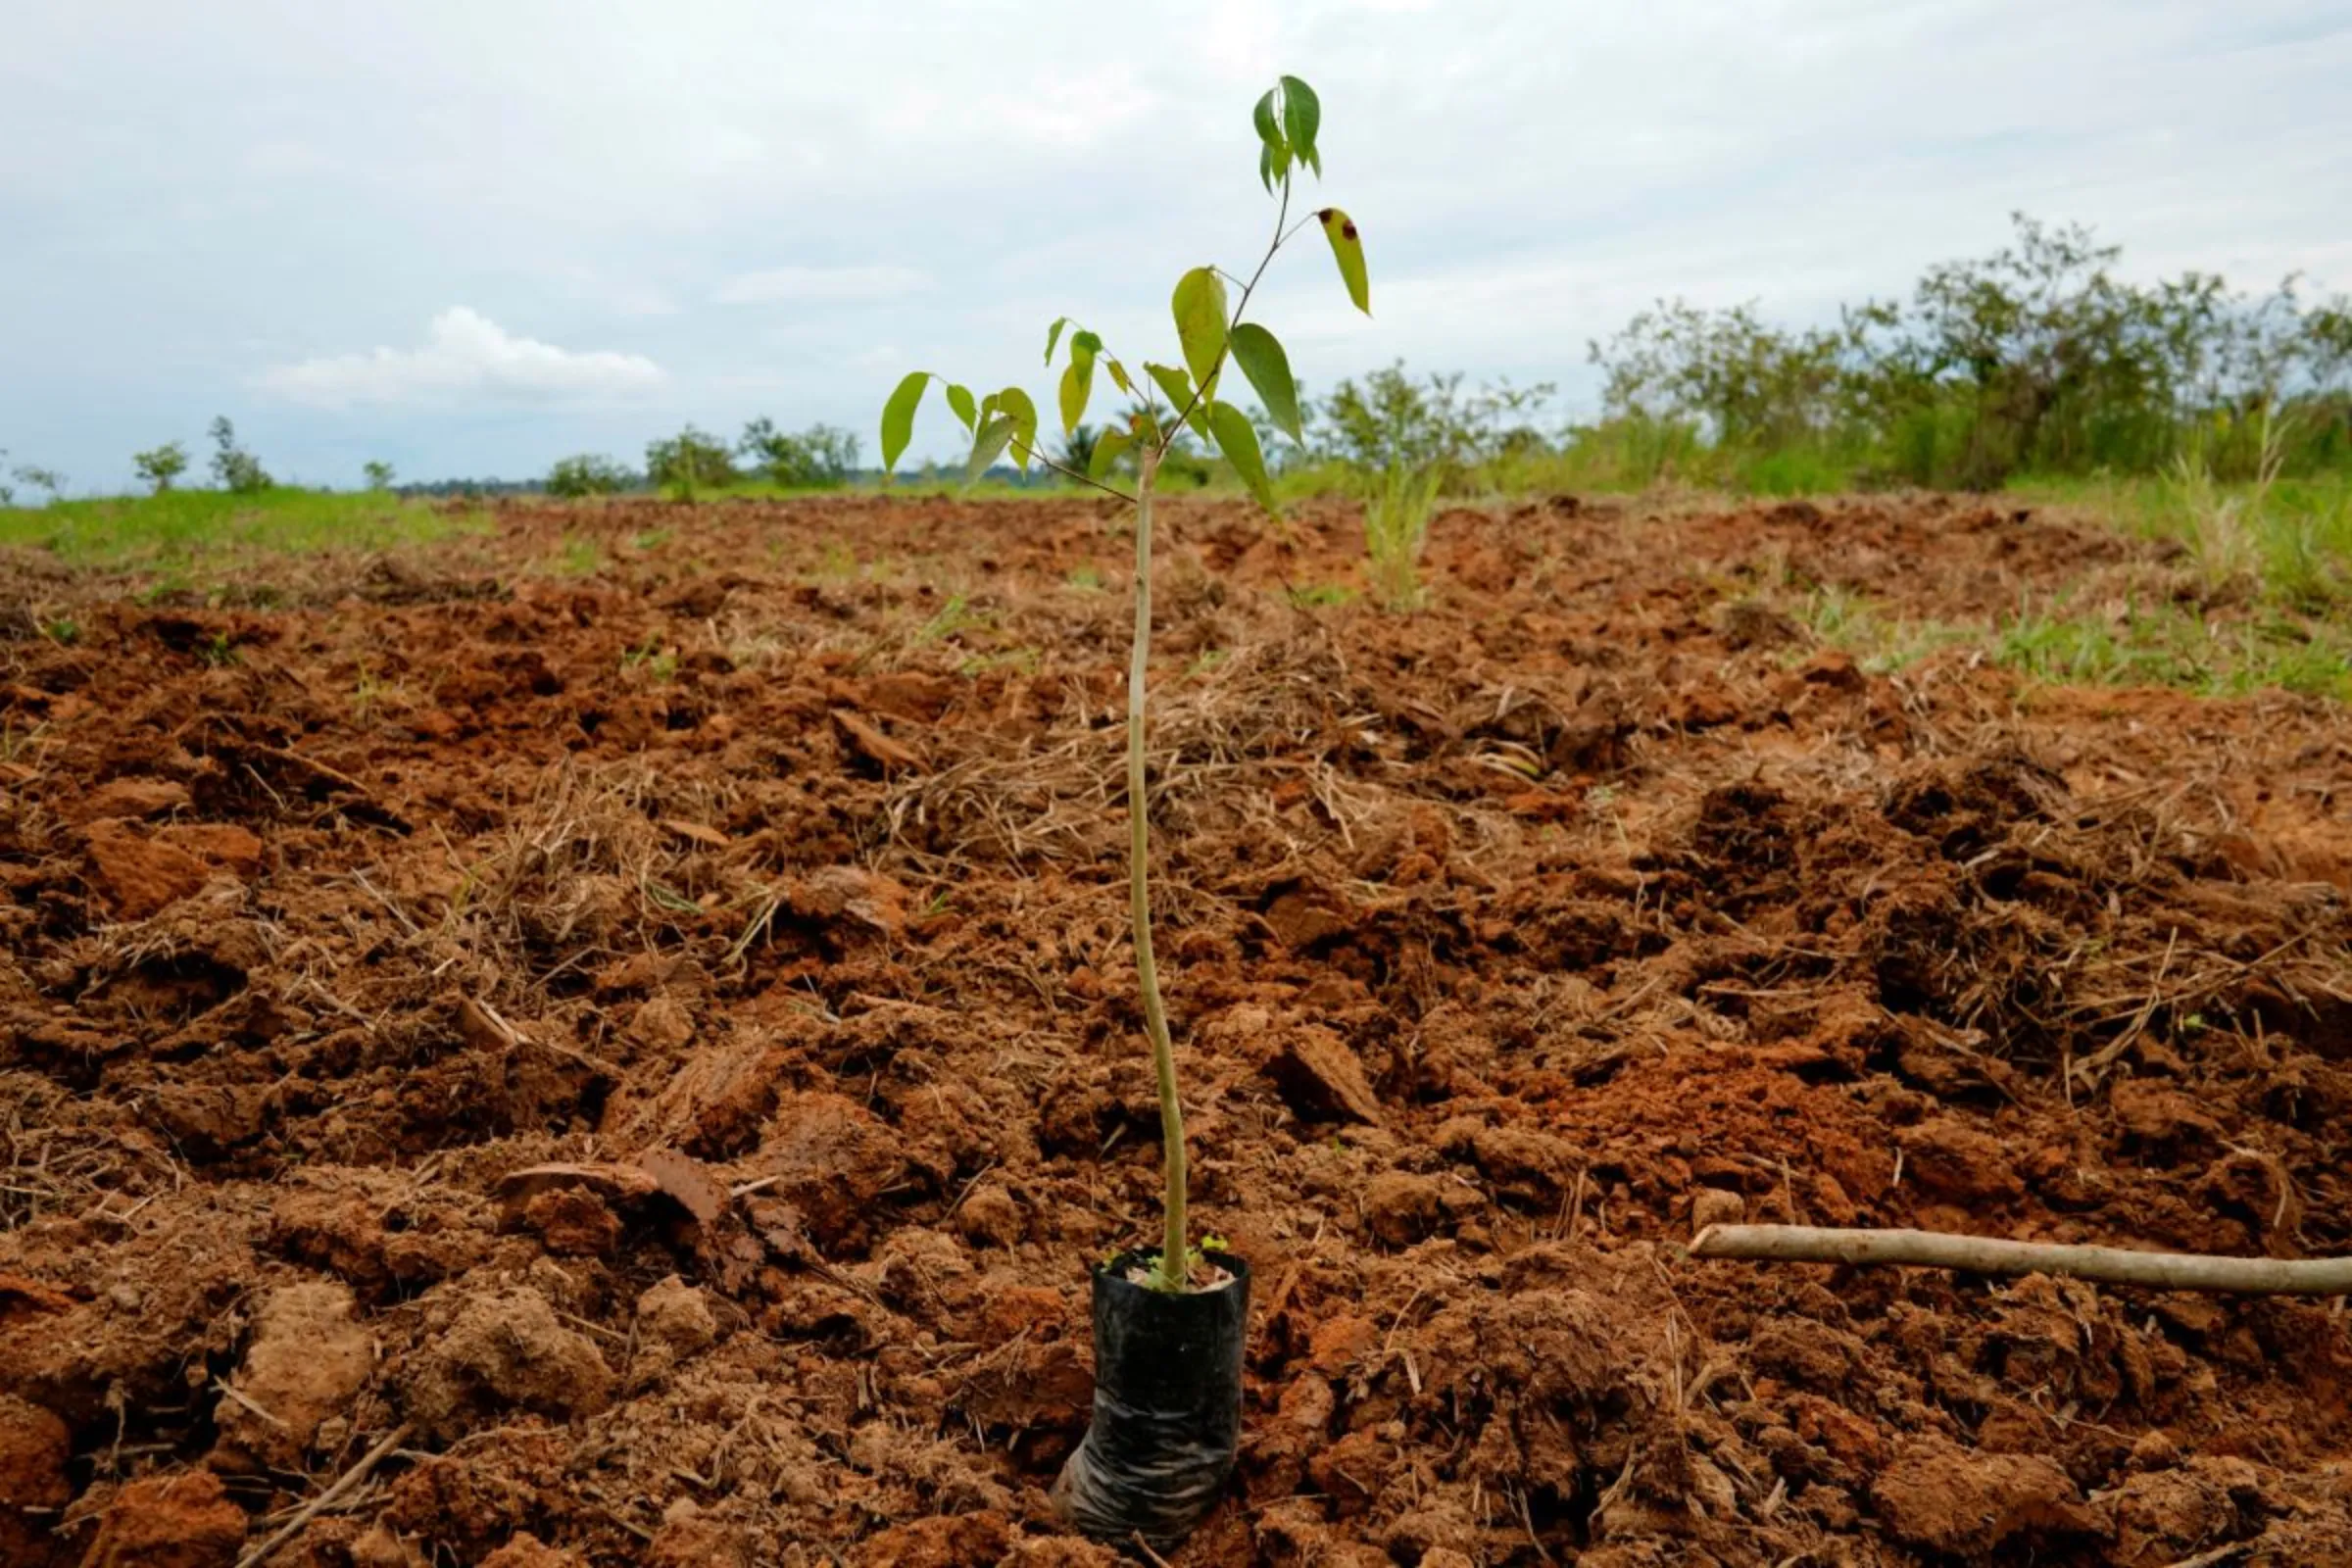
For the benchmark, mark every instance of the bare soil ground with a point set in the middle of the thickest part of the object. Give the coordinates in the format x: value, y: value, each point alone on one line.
x: 646, y: 1056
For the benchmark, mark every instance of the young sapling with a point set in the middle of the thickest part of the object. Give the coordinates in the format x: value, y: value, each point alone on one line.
x: 1209, y: 332
x: 1163, y: 402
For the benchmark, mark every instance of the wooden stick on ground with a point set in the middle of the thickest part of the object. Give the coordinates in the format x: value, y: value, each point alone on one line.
x: 1974, y: 1254
x: 311, y: 1509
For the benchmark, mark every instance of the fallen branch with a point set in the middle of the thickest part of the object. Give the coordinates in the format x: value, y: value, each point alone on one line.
x: 313, y: 1508
x: 1974, y: 1254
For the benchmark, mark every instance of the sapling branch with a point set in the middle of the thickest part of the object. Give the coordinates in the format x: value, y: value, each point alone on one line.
x: 1066, y: 472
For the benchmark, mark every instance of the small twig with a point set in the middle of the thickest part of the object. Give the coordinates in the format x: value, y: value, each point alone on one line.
x: 312, y: 1509
x: 1976, y: 1255
x: 1068, y: 473
x: 2216, y: 1556
x: 1527, y: 1522
x: 231, y: 1393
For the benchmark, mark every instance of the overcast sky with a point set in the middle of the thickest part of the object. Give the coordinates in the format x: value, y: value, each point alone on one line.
x: 473, y: 237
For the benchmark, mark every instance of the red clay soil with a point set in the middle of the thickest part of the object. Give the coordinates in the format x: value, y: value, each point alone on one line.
x: 648, y: 1057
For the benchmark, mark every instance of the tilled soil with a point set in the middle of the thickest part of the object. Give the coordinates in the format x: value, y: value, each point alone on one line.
x: 632, y: 1068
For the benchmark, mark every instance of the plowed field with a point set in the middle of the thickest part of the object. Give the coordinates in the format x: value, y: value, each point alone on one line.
x: 630, y: 1064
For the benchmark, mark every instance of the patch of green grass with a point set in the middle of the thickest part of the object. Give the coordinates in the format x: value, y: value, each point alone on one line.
x: 1306, y: 596
x: 658, y: 663
x: 2291, y: 538
x: 2132, y: 645
x: 2058, y: 643
x: 579, y: 558
x: 954, y: 616
x: 1026, y: 659
x: 1086, y: 579
x: 1880, y: 642
x: 191, y: 534
x: 1397, y: 508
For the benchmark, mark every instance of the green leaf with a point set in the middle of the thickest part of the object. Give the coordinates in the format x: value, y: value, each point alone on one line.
x: 898, y: 416
x: 1174, y: 382
x: 1239, y: 442
x: 1078, y: 382
x: 1023, y: 415
x: 1200, y: 308
x: 1054, y: 335
x: 1263, y: 117
x: 1348, y: 249
x: 1270, y: 134
x: 1119, y: 377
x: 986, y: 447
x: 1179, y: 388
x: 1108, y: 447
x: 1268, y: 369
x: 960, y: 399
x: 1301, y: 118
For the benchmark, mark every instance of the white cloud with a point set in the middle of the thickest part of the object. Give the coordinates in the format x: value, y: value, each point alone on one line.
x: 465, y: 357
x: 782, y: 285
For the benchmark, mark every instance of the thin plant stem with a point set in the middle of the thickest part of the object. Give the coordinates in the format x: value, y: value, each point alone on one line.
x: 1172, y: 1266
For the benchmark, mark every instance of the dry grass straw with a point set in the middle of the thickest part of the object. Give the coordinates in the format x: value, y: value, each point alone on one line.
x: 1217, y: 733
x: 57, y: 1159
x: 588, y: 866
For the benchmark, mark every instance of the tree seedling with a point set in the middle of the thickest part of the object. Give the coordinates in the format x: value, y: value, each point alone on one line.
x: 1162, y: 404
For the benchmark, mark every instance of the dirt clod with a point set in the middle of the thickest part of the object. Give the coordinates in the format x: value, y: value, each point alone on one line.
x: 501, y: 1352
x: 526, y: 1550
x: 309, y: 1356
x: 184, y: 1520
x: 138, y: 875
x: 1322, y: 1078
x: 1971, y: 1505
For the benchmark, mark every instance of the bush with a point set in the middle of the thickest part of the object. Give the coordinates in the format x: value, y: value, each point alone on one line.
x: 588, y: 475
x: 158, y: 466
x: 40, y: 479
x: 689, y: 463
x: 2034, y: 358
x: 819, y: 457
x: 1393, y: 421
x: 234, y: 468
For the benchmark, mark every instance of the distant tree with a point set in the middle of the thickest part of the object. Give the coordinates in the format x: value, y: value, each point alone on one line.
x: 160, y: 465
x: 588, y: 475
x: 688, y: 462
x: 39, y: 478
x: 819, y: 457
x: 378, y: 473
x: 234, y: 468
x: 1078, y: 447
